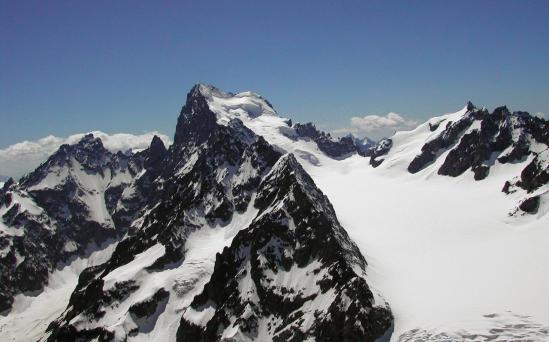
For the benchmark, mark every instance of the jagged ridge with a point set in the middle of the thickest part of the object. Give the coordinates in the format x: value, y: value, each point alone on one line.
x: 290, y: 276
x: 60, y: 210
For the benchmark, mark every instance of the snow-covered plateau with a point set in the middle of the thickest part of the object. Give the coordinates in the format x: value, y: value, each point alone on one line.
x: 251, y: 227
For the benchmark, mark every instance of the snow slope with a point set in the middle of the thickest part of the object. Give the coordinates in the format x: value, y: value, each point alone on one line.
x: 443, y: 251
x: 31, y: 315
x: 182, y: 282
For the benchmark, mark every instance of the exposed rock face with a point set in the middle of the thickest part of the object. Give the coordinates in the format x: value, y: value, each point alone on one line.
x: 290, y: 276
x: 148, y: 307
x: 478, y: 138
x: 536, y: 173
x: 196, y: 120
x: 145, y: 313
x: 530, y: 205
x: 335, y: 148
x: 60, y: 211
x: 157, y: 152
x: 447, y: 138
x: 533, y: 182
x: 380, y: 149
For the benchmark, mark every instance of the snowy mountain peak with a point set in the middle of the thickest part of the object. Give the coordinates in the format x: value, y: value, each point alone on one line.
x: 78, y: 199
x: 89, y: 152
x: 196, y: 119
x: 208, y: 91
x: 287, y: 162
x: 207, y: 106
x: 155, y: 153
x: 244, y: 106
x: 89, y: 144
x: 251, y: 103
x: 286, y: 176
x: 228, y: 105
x: 90, y: 141
x: 470, y: 106
x: 502, y: 111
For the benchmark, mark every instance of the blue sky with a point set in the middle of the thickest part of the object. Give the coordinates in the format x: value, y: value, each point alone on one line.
x: 125, y: 66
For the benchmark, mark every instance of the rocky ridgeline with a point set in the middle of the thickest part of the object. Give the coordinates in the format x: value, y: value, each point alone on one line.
x: 210, y: 173
x: 502, y: 135
x: 478, y: 139
x: 533, y: 180
x: 289, y: 276
x: 64, y: 209
x: 335, y: 148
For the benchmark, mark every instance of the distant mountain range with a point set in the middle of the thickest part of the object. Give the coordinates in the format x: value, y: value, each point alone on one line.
x: 23, y: 157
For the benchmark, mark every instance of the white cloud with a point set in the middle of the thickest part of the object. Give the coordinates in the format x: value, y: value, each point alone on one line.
x: 542, y: 115
x: 20, y: 158
x: 376, y: 126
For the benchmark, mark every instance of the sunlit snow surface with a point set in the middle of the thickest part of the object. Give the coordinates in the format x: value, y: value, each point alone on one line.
x: 443, y: 251
x: 31, y: 314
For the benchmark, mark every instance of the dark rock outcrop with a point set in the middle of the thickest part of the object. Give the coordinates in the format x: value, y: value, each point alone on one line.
x: 447, y: 138
x: 530, y: 205
x: 335, y: 148
x: 536, y: 173
x: 380, y: 149
x: 501, y: 135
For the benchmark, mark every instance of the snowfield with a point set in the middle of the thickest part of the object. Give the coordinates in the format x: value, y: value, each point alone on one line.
x: 32, y: 314
x: 443, y: 251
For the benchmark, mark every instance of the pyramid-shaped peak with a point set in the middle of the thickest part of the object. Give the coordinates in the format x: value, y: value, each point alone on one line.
x: 470, y: 106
